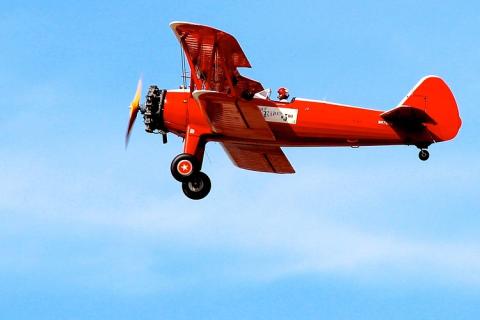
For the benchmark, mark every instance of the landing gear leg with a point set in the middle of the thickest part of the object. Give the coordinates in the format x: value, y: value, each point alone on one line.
x: 186, y: 166
x: 423, y: 154
x: 190, y: 161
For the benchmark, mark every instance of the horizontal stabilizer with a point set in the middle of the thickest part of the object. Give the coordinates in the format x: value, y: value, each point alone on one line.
x: 406, y: 116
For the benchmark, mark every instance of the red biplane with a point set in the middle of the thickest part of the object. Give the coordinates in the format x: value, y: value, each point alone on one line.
x: 222, y: 105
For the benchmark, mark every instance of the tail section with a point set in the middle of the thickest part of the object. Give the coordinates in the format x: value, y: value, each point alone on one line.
x: 431, y: 104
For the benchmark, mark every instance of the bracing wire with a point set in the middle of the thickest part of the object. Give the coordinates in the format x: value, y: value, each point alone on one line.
x: 184, y: 69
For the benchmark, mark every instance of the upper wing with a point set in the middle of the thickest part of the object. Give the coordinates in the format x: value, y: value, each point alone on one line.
x: 214, y: 56
x: 258, y: 158
x: 233, y: 117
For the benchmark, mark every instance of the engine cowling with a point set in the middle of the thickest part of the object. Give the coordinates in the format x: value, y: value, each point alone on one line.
x: 153, y: 110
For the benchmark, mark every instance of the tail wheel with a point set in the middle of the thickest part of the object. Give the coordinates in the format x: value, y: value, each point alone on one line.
x: 197, y: 186
x: 423, y: 155
x: 184, y: 166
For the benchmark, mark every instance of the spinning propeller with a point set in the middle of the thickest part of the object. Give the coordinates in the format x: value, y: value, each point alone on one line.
x: 152, y: 111
x: 134, y: 107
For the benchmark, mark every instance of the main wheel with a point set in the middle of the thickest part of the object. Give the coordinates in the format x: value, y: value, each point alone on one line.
x: 197, y: 186
x: 423, y: 155
x: 183, y: 166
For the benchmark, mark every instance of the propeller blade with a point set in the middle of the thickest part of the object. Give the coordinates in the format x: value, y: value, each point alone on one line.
x: 134, y: 107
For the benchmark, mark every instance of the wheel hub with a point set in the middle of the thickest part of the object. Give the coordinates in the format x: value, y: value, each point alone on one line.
x: 196, y: 185
x: 185, y: 167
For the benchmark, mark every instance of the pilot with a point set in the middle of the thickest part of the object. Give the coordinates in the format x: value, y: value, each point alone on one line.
x: 283, y: 94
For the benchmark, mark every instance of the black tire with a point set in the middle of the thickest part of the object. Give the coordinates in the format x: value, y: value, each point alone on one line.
x: 176, y: 170
x: 197, y: 186
x: 423, y: 155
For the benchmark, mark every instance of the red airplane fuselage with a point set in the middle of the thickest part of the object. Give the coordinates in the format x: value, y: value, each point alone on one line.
x: 313, y: 123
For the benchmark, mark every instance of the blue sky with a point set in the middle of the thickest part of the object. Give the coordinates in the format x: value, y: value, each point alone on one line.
x: 89, y: 231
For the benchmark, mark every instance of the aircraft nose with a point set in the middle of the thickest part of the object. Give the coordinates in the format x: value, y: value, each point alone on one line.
x: 153, y: 111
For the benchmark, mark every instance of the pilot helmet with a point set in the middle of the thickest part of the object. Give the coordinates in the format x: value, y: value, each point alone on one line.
x: 283, y: 93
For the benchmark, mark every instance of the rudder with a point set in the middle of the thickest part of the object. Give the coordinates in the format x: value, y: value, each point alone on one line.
x: 433, y: 96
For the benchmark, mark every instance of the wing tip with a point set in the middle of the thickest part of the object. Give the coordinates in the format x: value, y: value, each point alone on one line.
x: 176, y: 23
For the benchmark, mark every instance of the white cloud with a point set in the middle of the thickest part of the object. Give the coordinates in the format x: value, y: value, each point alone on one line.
x: 283, y: 226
